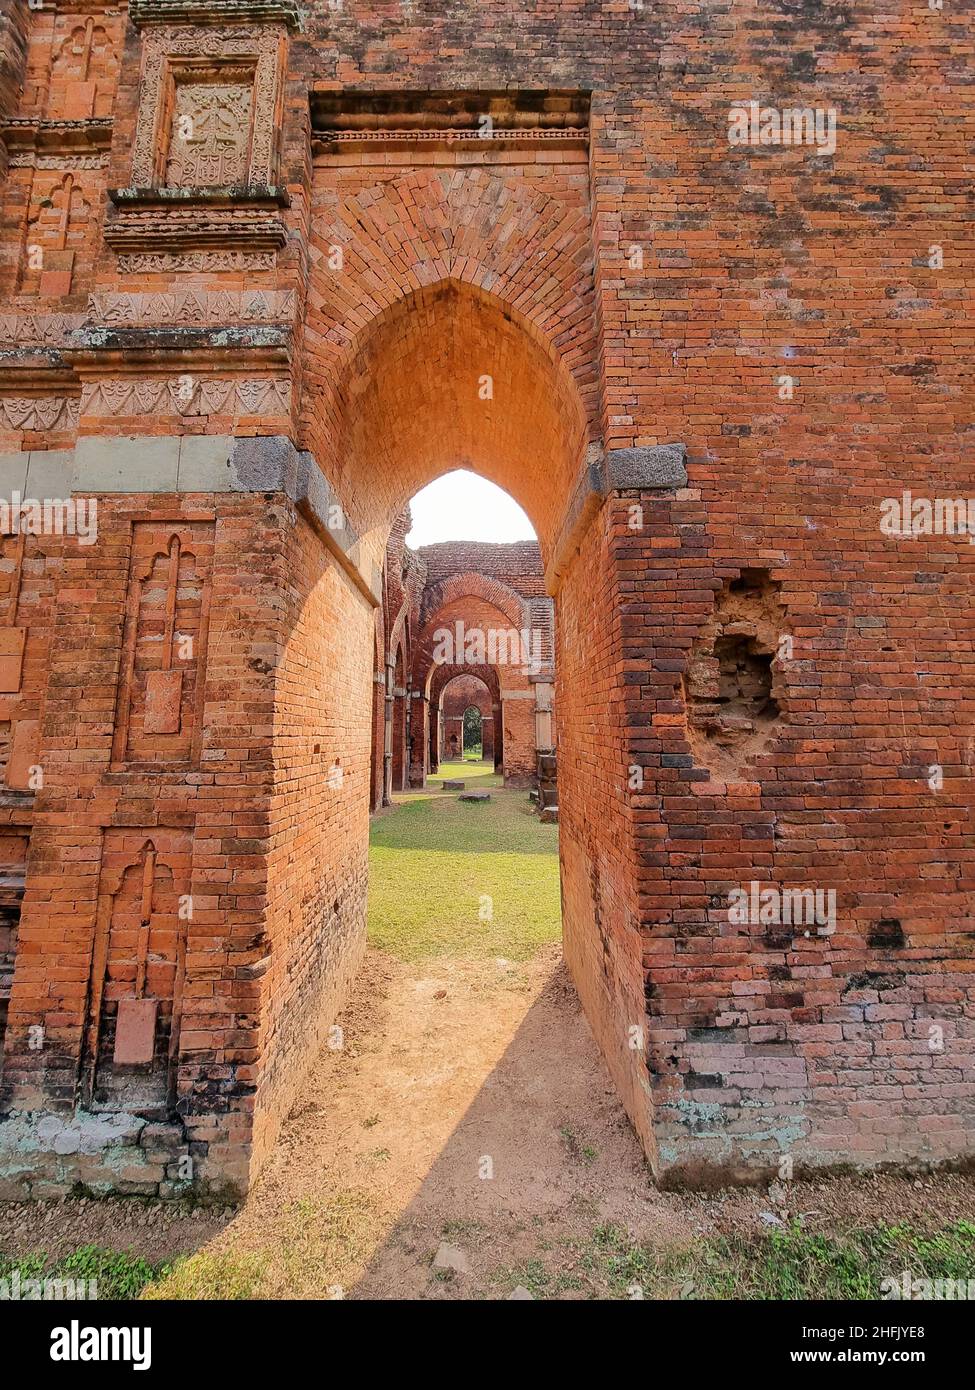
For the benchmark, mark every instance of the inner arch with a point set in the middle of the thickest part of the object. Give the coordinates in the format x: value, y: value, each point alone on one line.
x: 451, y: 377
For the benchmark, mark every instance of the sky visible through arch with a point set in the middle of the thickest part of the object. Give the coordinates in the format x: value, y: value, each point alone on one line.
x: 461, y: 506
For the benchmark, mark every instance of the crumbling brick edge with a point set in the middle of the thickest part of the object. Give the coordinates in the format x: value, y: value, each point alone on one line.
x: 45, y: 1155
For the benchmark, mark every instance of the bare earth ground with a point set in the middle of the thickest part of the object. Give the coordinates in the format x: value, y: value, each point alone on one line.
x: 452, y: 1069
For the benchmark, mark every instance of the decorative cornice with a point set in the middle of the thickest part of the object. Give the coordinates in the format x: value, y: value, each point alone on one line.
x: 230, y: 196
x: 29, y: 133
x: 142, y: 12
x: 37, y: 330
x: 189, y: 308
x: 331, y: 141
x: 144, y: 227
x: 92, y: 350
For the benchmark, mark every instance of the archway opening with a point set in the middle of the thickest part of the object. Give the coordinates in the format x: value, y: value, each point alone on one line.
x: 473, y: 736
x: 450, y: 380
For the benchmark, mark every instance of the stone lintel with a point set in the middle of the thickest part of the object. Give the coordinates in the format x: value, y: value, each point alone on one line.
x: 658, y: 466
x: 197, y: 463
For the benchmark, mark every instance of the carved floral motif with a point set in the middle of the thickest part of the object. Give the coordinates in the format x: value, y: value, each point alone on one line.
x: 208, y: 141
x: 141, y: 262
x: 188, y: 396
x: 192, y: 307
x: 40, y: 412
x: 178, y: 55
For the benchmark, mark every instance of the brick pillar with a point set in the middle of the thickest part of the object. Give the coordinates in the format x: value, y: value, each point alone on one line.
x: 14, y: 23
x: 389, y: 714
x: 487, y: 737
x: 518, y: 718
x: 419, y: 735
x: 434, y: 737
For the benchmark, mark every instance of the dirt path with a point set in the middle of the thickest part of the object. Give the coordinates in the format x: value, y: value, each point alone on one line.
x: 469, y: 1100
x: 468, y: 1112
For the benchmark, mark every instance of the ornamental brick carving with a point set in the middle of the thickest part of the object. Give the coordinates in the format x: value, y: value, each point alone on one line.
x: 166, y: 623
x: 187, y: 395
x: 139, y: 262
x: 179, y: 64
x: 84, y: 70
x: 192, y: 307
x: 40, y: 412
x: 208, y: 141
x: 138, y: 969
x: 55, y: 233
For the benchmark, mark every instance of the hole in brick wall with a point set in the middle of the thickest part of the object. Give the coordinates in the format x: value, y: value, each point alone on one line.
x: 887, y: 935
x: 744, y: 679
x: 731, y: 686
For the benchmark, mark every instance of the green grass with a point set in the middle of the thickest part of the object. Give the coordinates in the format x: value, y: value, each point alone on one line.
x: 225, y: 1277
x: 480, y: 775
x: 314, y: 1243
x: 117, y: 1275
x: 448, y: 877
x: 789, y: 1264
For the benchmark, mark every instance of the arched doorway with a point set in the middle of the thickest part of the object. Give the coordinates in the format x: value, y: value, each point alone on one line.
x: 502, y: 403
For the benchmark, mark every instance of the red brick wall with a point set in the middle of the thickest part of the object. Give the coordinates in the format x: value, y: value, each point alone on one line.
x: 655, y: 286
x: 318, y: 817
x: 463, y: 693
x: 205, y: 813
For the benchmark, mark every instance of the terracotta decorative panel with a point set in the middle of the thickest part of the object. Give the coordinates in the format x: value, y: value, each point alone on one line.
x: 84, y: 70
x: 164, y: 646
x: 220, y: 85
x: 209, y: 136
x: 137, y: 970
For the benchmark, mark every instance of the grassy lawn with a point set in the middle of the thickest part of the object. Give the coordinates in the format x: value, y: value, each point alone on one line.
x: 603, y: 1262
x: 448, y: 877
x: 785, y: 1265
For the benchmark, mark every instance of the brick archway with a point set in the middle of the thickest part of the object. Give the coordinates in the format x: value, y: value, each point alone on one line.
x: 480, y: 606
x: 461, y: 692
x: 259, y: 348
x: 442, y: 676
x: 502, y: 400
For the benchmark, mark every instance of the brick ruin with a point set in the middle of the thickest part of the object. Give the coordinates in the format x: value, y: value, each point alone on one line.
x: 266, y: 272
x: 461, y: 622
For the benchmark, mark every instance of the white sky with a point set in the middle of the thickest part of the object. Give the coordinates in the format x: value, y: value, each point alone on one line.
x: 462, y: 506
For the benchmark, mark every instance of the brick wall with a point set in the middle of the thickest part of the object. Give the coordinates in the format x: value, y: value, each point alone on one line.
x: 614, y: 276
x: 459, y: 695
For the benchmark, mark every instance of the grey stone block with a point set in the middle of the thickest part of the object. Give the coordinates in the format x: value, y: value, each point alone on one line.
x: 13, y: 474
x: 204, y: 463
x: 268, y: 464
x: 662, y: 465
x: 132, y: 463
x: 315, y: 492
x: 49, y: 473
